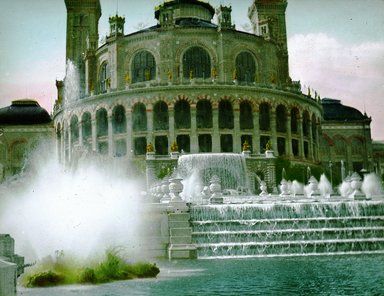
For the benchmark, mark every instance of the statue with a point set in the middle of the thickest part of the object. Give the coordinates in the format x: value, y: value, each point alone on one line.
x: 127, y: 78
x: 147, y: 75
x: 246, y: 146
x: 268, y: 146
x: 190, y: 75
x: 169, y: 73
x: 174, y: 147
x: 214, y: 73
x: 150, y: 148
x: 234, y: 74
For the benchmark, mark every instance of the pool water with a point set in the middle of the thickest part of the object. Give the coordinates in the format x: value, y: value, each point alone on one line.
x: 323, y: 275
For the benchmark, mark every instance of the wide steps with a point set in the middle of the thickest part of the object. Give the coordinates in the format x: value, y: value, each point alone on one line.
x: 229, y: 231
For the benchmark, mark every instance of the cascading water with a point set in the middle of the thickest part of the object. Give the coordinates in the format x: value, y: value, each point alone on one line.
x: 198, y: 169
x: 71, y: 83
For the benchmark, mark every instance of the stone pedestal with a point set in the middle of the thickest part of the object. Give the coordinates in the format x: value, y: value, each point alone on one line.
x: 8, y: 276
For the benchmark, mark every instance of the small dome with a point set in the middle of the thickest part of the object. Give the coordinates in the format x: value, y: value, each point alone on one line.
x: 24, y: 111
x: 334, y: 110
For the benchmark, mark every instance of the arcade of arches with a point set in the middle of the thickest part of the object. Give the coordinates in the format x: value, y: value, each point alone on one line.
x: 204, y: 126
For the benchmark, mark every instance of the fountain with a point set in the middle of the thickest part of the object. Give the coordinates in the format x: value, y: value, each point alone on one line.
x: 300, y: 220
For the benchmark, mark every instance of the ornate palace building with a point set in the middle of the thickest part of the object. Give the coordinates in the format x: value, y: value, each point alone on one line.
x: 199, y: 86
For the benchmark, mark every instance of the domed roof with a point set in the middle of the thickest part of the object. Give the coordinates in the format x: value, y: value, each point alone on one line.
x: 183, y: 11
x: 24, y: 111
x: 334, y: 110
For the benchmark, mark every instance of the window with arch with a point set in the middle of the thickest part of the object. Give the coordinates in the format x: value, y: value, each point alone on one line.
x: 356, y: 147
x: 104, y: 79
x: 246, y: 115
x: 119, y: 122
x: 74, y: 129
x: 101, y: 122
x: 340, y: 146
x: 160, y: 116
x: 143, y: 67
x: 139, y: 117
x: 306, y: 124
x: 281, y: 119
x: 264, y: 117
x: 196, y: 63
x: 226, y: 118
x: 86, y: 125
x: 182, y: 114
x: 245, y: 67
x: 294, y: 120
x: 204, y: 114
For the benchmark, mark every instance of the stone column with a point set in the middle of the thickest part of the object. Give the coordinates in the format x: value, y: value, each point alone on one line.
x: 288, y: 143
x: 128, y: 116
x: 273, y: 132
x: 194, y: 138
x: 256, y: 133
x: 172, y: 134
x: 110, y: 137
x: 81, y: 133
x: 236, y: 132
x: 94, y: 132
x: 150, y: 124
x: 310, y: 144
x: 70, y: 147
x: 301, y: 135
x: 215, y: 133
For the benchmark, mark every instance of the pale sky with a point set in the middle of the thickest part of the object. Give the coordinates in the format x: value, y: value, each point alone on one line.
x: 335, y: 46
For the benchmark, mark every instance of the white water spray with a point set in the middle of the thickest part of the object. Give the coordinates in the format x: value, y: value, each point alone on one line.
x: 83, y: 213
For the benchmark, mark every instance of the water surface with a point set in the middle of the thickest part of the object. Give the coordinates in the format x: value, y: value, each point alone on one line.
x: 324, y: 275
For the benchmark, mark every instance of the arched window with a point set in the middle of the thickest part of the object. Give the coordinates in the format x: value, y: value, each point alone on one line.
x: 74, y: 129
x: 281, y: 119
x: 144, y: 67
x: 196, y: 63
x: 226, y: 115
x: 340, y: 147
x: 104, y: 79
x: 246, y: 116
x: 306, y: 124
x: 139, y: 118
x: 102, y: 122
x: 119, y: 122
x: 245, y: 67
x: 357, y: 147
x: 204, y: 114
x: 182, y: 114
x: 160, y: 116
x: 294, y: 120
x: 86, y: 125
x: 264, y: 121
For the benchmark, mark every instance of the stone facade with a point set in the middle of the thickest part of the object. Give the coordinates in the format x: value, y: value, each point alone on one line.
x: 151, y: 88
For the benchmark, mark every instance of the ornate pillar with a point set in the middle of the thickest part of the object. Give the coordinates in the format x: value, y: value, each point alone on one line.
x: 80, y: 126
x: 273, y: 131
x: 149, y: 114
x: 172, y: 134
x: 128, y: 116
x: 256, y: 132
x: 310, y: 144
x: 194, y: 137
x: 236, y: 132
x: 288, y: 142
x: 110, y: 137
x: 301, y: 135
x: 94, y: 132
x: 215, y: 133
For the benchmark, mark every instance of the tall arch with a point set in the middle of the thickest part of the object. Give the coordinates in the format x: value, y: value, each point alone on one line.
x: 101, y: 122
x: 160, y: 116
x: 204, y: 114
x: 306, y: 123
x: 226, y: 117
x: 196, y: 63
x: 86, y: 126
x: 139, y: 117
x: 143, y: 67
x: 281, y: 119
x: 264, y: 118
x: 103, y: 81
x: 246, y: 115
x: 294, y: 120
x: 74, y: 124
x: 119, y: 122
x: 245, y: 67
x: 182, y: 114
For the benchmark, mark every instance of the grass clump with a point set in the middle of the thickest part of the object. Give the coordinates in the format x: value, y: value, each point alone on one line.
x: 112, y: 268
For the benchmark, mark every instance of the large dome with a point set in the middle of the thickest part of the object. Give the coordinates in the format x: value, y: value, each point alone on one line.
x: 24, y: 111
x: 334, y: 110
